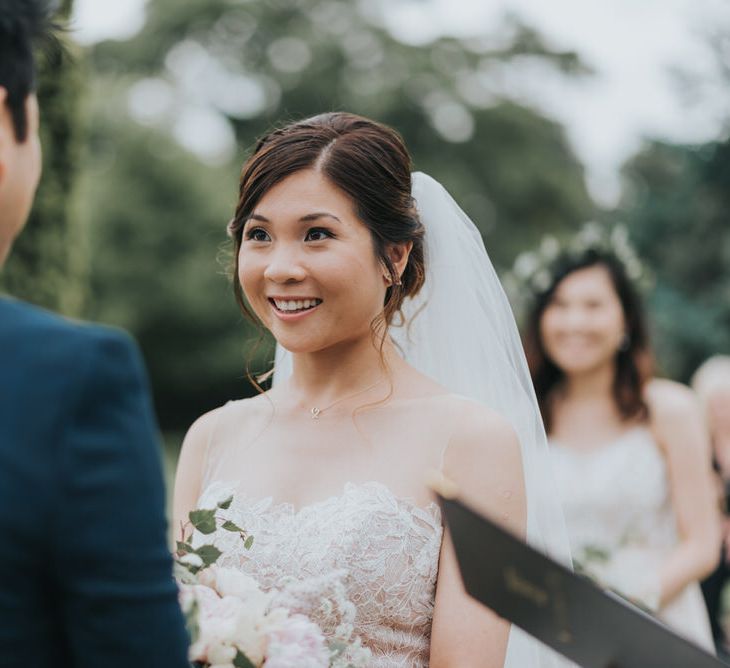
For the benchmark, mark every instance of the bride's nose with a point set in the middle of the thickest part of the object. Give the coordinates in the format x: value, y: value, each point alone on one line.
x: 285, y: 265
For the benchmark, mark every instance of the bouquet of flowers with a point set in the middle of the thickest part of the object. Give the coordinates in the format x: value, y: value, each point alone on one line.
x: 233, y: 623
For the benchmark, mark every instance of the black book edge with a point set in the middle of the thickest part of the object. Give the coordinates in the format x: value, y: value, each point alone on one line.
x: 446, y: 494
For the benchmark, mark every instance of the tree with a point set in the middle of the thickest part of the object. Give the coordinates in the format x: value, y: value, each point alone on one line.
x: 158, y: 215
x: 676, y: 201
x: 511, y: 167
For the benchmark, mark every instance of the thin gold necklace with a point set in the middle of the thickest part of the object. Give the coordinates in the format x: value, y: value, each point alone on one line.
x: 315, y: 411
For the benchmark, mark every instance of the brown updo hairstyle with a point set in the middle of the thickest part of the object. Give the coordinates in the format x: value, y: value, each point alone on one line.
x: 634, y: 360
x: 369, y: 162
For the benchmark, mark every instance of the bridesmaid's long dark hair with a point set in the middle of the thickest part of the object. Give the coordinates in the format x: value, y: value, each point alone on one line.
x: 634, y: 361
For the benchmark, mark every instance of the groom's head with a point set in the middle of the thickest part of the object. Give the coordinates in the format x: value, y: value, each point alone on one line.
x: 23, y: 25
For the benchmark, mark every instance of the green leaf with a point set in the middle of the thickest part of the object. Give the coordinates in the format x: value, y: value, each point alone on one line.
x: 191, y: 621
x: 231, y: 526
x: 593, y: 553
x: 337, y: 647
x: 184, y: 548
x: 242, y: 661
x: 248, y: 544
x: 208, y: 553
x: 225, y: 505
x: 203, y: 520
x: 183, y: 573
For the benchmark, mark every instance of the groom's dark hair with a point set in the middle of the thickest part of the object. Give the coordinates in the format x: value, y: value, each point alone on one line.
x: 24, y: 25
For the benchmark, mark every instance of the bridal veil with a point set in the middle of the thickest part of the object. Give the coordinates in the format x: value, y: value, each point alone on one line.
x: 460, y: 331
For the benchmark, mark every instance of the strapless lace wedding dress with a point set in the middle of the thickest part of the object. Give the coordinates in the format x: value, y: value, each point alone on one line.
x: 621, y: 524
x: 377, y: 552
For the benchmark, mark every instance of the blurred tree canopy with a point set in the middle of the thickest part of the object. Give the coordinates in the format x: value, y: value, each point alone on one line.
x: 141, y: 166
x: 154, y: 213
x: 159, y: 215
x: 48, y: 264
x: 677, y: 204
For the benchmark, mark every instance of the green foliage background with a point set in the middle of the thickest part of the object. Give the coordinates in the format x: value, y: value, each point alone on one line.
x: 129, y: 227
x: 677, y: 202
x: 158, y: 215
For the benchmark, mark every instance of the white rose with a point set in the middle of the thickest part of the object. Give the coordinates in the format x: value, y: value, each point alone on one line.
x: 217, y: 622
x: 249, y: 636
x: 221, y: 654
x: 192, y: 560
x: 233, y: 582
x: 218, y: 629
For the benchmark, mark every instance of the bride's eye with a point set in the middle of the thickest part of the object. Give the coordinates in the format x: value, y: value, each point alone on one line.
x: 257, y: 234
x: 318, y: 234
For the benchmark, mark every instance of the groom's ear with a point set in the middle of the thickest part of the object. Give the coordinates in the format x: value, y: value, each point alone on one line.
x: 398, y: 255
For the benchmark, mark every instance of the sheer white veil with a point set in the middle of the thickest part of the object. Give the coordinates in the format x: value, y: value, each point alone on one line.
x: 460, y: 331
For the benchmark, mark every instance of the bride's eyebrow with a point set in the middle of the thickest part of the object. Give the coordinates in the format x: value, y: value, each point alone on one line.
x: 318, y: 214
x: 308, y: 218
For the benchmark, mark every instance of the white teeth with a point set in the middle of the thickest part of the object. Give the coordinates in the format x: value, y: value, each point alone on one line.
x: 295, y: 305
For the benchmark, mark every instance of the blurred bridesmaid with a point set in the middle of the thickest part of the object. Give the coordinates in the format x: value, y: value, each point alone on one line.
x: 631, y: 452
x: 712, y: 384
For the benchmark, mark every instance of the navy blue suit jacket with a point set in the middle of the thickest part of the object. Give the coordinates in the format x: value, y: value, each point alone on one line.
x: 85, y: 572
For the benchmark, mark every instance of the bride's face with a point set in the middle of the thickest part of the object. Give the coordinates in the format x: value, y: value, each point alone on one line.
x: 583, y: 325
x: 307, y: 265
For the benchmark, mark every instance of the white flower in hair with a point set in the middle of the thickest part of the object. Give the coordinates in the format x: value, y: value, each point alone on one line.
x: 533, y: 272
x: 526, y: 264
x: 549, y: 247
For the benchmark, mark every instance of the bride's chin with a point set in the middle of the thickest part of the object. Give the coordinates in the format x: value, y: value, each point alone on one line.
x: 298, y: 347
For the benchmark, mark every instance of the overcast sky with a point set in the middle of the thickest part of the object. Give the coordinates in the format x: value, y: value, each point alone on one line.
x: 634, y: 46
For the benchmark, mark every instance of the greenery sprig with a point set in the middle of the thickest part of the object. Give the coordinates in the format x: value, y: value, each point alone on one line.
x: 207, y: 522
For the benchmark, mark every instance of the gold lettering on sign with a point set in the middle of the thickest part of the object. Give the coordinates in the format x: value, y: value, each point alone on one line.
x: 519, y: 585
x: 560, y: 606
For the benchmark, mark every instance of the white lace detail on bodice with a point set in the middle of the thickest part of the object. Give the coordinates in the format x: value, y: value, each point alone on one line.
x: 378, y: 550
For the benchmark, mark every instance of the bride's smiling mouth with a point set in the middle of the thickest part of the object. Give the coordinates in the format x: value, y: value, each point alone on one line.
x: 292, y: 308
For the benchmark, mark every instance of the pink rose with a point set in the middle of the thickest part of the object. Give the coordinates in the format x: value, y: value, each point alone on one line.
x: 296, y: 642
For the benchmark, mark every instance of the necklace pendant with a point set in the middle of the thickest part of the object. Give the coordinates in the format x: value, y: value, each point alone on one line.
x: 315, y: 413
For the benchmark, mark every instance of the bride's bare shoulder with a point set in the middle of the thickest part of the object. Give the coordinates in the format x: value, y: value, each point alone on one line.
x: 470, y: 416
x: 478, y: 432
x: 483, y: 458
x: 203, y: 430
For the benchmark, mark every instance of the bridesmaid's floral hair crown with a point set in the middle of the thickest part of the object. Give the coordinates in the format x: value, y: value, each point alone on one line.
x: 535, y: 271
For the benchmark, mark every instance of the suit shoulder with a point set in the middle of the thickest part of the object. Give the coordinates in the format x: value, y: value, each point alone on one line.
x: 26, y: 327
x: 48, y: 358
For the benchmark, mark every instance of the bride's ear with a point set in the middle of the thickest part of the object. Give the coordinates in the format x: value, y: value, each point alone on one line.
x: 398, y: 255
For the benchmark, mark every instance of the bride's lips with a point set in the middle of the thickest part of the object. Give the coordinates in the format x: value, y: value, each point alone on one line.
x: 289, y: 316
